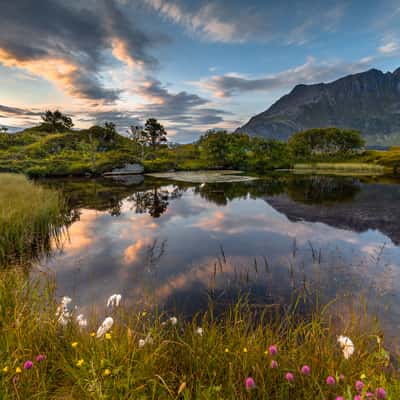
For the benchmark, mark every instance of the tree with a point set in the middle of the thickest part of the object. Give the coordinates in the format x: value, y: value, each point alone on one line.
x: 110, y: 131
x: 154, y: 133
x: 57, y: 121
x: 3, y: 129
x: 138, y: 136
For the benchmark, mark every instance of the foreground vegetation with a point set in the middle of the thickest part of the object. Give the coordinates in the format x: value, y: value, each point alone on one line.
x: 247, y: 353
x: 29, y: 217
x: 54, y: 149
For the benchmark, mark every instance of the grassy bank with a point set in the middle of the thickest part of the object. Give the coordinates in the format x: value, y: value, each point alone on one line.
x: 145, y: 356
x: 341, y: 167
x: 29, y: 217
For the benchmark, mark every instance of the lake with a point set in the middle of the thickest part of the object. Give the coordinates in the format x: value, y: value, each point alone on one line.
x: 172, y: 246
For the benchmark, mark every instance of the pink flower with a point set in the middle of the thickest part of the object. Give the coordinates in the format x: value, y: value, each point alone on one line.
x: 380, y: 393
x: 357, y: 397
x: 249, y: 383
x: 330, y: 380
x: 359, y: 386
x: 273, y: 350
x: 369, y: 395
x: 28, y: 364
x: 341, y: 377
x: 289, y: 377
x: 40, y: 358
x: 339, y: 398
x: 305, y: 370
x: 274, y: 364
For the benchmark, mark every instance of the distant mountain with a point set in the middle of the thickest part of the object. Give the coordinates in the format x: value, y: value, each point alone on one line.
x: 368, y: 101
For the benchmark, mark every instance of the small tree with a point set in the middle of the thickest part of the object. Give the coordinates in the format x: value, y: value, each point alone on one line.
x: 57, y: 121
x: 138, y: 136
x: 110, y: 131
x: 154, y: 133
x: 3, y: 129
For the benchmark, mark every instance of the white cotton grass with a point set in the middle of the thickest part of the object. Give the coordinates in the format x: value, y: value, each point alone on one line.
x: 147, y: 340
x: 105, y: 327
x: 63, y: 313
x: 173, y: 320
x: 81, y: 320
x: 114, y: 300
x: 200, y: 331
x: 346, y: 345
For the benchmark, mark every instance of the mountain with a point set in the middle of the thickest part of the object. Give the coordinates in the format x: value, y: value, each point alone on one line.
x: 368, y: 101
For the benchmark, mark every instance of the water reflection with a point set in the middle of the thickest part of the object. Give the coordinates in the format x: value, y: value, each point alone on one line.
x: 172, y: 245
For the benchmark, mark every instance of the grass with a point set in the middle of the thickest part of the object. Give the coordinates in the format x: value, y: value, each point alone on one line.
x: 29, y: 217
x: 341, y: 167
x: 178, y: 362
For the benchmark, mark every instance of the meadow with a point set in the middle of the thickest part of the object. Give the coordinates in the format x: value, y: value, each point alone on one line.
x: 50, y: 350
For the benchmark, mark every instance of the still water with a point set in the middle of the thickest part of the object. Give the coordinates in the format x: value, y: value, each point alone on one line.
x: 173, y: 245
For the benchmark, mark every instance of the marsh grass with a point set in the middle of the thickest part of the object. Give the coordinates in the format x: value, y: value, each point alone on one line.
x: 347, y: 167
x: 179, y: 363
x: 30, y: 216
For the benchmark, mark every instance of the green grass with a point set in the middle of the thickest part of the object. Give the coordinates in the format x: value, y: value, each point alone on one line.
x: 179, y: 363
x: 29, y: 217
x: 345, y: 167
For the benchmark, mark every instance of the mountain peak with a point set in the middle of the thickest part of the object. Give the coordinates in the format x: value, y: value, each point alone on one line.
x: 367, y: 101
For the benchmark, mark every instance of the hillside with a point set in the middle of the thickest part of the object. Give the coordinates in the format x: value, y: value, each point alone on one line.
x: 40, y: 153
x: 368, y: 102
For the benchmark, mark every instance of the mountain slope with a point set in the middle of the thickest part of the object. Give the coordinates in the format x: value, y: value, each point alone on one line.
x: 368, y: 101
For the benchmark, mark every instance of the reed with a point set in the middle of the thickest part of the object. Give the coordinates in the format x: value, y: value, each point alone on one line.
x: 30, y: 216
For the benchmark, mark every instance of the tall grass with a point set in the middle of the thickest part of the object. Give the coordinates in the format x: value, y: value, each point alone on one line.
x: 29, y: 217
x: 347, y: 167
x: 178, y: 362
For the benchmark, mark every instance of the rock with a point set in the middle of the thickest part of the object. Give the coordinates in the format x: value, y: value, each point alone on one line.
x: 128, y: 169
x: 368, y: 102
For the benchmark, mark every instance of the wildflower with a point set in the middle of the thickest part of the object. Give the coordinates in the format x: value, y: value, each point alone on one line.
x: 357, y: 397
x: 74, y: 345
x: 106, y: 372
x: 144, y: 313
x: 141, y: 342
x: 305, y: 370
x: 108, y: 336
x: 226, y: 350
x: 63, y: 313
x: 199, y: 331
x: 82, y: 321
x: 330, y: 380
x: 289, y: 377
x: 347, y: 346
x: 249, y: 383
x: 274, y: 364
x: 40, y: 358
x: 273, y: 350
x: 341, y: 377
x: 359, y: 386
x: 28, y: 364
x: 181, y: 388
x: 339, y: 398
x: 369, y: 395
x: 114, y: 300
x: 105, y: 327
x: 173, y: 320
x: 245, y: 350
x: 363, y: 376
x: 92, y: 334
x: 380, y: 393
x: 18, y: 370
x: 148, y: 339
x: 5, y: 369
x: 80, y: 362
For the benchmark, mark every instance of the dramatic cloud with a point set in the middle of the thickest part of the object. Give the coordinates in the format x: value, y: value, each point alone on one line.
x: 70, y: 44
x: 310, y: 72
x: 238, y: 21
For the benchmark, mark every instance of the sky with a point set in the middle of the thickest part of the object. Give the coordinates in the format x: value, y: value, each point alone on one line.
x: 193, y: 65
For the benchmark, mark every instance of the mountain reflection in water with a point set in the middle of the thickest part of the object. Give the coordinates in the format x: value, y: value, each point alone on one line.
x: 170, y: 245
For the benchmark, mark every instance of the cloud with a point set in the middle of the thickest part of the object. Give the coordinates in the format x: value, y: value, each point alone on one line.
x: 310, y: 72
x: 390, y: 47
x: 239, y: 22
x: 70, y: 44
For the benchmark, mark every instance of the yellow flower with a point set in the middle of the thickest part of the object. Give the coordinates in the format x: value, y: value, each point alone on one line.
x: 80, y: 363
x: 226, y: 350
x: 108, y: 336
x: 363, y: 376
x: 266, y: 352
x: 5, y: 370
x: 18, y: 370
x: 93, y: 334
x: 144, y: 313
x: 106, y: 372
x: 74, y: 344
x: 245, y: 350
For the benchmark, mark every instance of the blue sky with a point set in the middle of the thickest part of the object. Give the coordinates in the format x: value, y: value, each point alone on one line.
x: 195, y: 65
